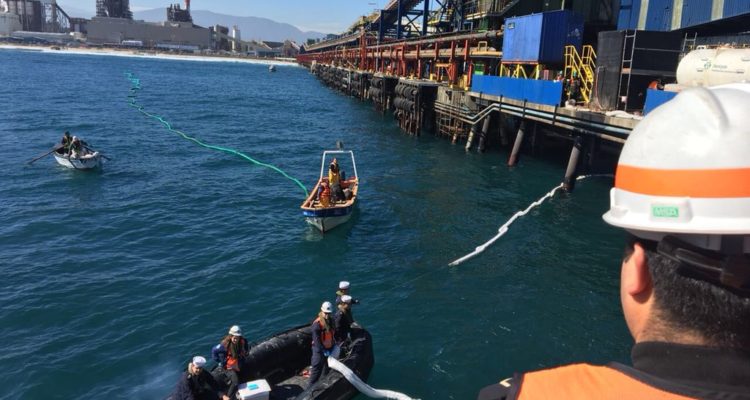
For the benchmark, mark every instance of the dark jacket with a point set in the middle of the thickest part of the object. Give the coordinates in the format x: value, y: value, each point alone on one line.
x: 693, y: 371
x: 197, y: 387
x: 342, y: 321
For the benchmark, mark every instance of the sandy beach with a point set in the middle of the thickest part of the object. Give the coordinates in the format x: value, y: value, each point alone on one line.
x: 145, y: 54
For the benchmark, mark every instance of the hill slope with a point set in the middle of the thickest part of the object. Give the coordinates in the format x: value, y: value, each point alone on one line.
x: 250, y: 27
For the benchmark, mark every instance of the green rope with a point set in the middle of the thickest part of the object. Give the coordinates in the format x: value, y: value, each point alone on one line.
x: 135, y: 86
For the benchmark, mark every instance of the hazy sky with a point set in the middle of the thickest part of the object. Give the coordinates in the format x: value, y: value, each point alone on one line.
x: 330, y: 16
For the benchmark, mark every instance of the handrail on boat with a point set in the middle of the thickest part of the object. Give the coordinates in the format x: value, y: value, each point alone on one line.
x: 327, y: 152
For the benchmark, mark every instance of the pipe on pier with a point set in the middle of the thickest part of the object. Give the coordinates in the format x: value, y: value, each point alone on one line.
x: 517, y: 145
x: 569, y: 182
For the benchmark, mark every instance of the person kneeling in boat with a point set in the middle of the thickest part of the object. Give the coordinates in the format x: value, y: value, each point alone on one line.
x: 323, y: 342
x: 230, y: 354
x: 344, y: 319
x: 197, y: 384
x: 77, y: 148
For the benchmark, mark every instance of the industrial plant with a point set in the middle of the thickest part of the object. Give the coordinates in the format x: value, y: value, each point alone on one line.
x: 534, y: 74
x: 44, y: 21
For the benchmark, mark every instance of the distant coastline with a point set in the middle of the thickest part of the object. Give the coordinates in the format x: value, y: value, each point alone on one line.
x: 137, y: 53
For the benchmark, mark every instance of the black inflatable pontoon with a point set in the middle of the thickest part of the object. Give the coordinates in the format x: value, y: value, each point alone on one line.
x: 281, y: 359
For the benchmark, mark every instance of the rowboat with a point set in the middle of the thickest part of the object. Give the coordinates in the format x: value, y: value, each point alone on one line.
x: 88, y: 161
x: 326, y: 215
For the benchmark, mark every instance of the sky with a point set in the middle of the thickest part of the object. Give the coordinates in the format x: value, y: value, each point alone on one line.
x: 327, y: 16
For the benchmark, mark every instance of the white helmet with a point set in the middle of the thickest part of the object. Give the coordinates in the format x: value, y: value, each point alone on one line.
x: 235, y: 330
x: 326, y: 307
x: 685, y: 170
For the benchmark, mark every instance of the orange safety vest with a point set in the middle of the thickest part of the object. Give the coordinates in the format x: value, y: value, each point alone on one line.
x: 231, y: 361
x: 588, y: 382
x: 326, y: 336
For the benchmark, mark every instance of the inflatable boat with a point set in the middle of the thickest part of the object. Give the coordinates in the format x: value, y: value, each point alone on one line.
x: 282, y: 359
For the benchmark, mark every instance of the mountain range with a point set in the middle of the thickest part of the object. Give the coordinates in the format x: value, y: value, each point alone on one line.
x: 250, y: 27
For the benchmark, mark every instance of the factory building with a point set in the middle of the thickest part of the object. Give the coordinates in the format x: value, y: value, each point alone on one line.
x: 171, y: 35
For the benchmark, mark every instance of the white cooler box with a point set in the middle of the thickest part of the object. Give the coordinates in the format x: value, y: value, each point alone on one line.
x: 255, y: 390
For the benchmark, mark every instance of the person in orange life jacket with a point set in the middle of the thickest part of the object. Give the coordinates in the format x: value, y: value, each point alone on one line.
x: 334, y: 179
x: 344, y: 289
x: 323, y: 342
x: 343, y: 319
x: 230, y: 354
x: 324, y: 194
x: 685, y: 276
x: 197, y: 384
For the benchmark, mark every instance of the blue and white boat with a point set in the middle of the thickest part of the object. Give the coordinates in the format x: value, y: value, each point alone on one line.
x: 319, y: 209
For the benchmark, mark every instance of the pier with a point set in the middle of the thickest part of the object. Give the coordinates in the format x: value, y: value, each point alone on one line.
x: 503, y: 74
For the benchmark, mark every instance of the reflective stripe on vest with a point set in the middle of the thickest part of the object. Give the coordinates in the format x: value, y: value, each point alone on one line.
x: 587, y: 382
x: 326, y: 335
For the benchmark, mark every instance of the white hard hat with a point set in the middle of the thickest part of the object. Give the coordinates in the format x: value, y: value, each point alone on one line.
x: 343, y: 285
x: 346, y: 299
x: 326, y: 307
x: 685, y: 170
x: 235, y: 330
x: 199, y: 361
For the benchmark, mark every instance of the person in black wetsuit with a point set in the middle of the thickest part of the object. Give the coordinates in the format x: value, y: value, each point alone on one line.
x: 685, y: 275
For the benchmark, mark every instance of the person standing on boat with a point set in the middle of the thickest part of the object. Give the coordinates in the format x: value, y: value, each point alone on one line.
x: 682, y: 192
x: 334, y: 179
x: 343, y: 290
x: 66, y: 141
x: 230, y: 354
x: 197, y: 384
x: 323, y: 342
x: 343, y: 319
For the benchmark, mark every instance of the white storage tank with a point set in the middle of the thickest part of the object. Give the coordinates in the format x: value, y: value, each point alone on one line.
x: 711, y: 67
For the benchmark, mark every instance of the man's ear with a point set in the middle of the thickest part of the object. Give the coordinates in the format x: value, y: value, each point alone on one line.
x: 636, y: 278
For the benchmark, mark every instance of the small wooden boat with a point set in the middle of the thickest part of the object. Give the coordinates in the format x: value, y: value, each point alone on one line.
x: 88, y: 161
x: 327, y: 214
x: 282, y: 359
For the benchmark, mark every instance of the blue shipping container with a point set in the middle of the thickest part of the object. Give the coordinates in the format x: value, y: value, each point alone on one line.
x: 541, y: 38
x: 630, y: 11
x: 695, y: 12
x: 659, y: 17
x: 733, y: 8
x: 531, y: 90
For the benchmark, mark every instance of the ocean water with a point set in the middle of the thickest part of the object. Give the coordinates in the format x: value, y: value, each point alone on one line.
x: 112, y: 279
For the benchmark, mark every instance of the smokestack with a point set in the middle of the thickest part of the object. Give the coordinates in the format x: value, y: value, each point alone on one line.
x: 187, y: 5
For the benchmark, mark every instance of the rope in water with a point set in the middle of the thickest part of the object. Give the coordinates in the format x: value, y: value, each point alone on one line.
x: 135, y: 86
x: 504, y: 228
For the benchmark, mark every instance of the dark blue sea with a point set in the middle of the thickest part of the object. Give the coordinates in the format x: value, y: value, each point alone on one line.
x: 112, y: 279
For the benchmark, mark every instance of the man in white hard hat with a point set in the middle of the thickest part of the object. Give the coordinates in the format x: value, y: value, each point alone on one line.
x: 343, y: 319
x: 323, y: 342
x: 344, y: 287
x: 682, y: 192
x: 197, y: 384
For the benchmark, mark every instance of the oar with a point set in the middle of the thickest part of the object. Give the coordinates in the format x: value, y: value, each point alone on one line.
x: 46, y: 154
x: 94, y: 151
